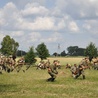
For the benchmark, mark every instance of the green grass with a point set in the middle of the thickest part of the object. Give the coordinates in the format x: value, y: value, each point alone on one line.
x: 32, y: 83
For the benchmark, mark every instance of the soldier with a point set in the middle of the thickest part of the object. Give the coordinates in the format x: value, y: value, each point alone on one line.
x: 41, y: 65
x: 47, y: 63
x: 95, y: 66
x: 68, y: 66
x: 3, y: 64
x: 10, y: 63
x: 74, y: 70
x: 14, y: 57
x: 52, y: 72
x: 58, y: 65
x: 20, y: 64
x: 86, y: 63
x: 80, y: 71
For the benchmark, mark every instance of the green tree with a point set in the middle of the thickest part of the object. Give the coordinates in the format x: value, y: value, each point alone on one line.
x: 9, y: 46
x: 91, y: 51
x: 55, y: 54
x: 72, y: 50
x: 63, y: 53
x: 42, y: 51
x: 30, y: 56
x: 21, y: 53
x: 75, y: 51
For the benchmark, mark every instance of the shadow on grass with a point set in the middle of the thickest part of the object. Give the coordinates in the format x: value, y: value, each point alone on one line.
x: 8, y: 88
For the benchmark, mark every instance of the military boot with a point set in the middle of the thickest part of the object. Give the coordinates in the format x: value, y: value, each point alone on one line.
x: 83, y: 76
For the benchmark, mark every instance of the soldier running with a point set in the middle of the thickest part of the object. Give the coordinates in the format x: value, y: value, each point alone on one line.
x: 77, y: 71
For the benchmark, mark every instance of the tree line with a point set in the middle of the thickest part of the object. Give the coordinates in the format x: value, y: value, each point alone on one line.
x: 72, y: 51
x: 10, y: 47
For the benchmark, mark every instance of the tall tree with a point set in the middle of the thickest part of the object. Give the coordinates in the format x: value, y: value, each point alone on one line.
x: 42, y: 51
x: 91, y: 51
x: 30, y: 56
x: 9, y: 46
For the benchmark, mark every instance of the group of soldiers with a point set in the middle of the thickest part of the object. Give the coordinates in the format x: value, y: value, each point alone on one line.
x: 44, y: 65
x: 52, y: 68
x: 79, y: 69
x: 76, y: 69
x: 9, y: 63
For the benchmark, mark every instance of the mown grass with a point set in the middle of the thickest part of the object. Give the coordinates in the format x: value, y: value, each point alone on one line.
x: 32, y: 83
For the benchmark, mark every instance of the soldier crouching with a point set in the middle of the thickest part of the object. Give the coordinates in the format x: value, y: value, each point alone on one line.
x: 52, y: 72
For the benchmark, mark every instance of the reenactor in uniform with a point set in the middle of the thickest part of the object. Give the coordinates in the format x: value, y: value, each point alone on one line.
x: 47, y: 63
x: 68, y: 66
x: 77, y: 71
x: 95, y: 63
x: 20, y: 64
x: 41, y: 65
x: 58, y: 65
x: 80, y: 72
x: 86, y: 63
x: 73, y: 70
x: 3, y: 64
x: 52, y: 71
x: 10, y: 63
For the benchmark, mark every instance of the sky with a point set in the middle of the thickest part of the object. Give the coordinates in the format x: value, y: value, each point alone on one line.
x: 55, y: 23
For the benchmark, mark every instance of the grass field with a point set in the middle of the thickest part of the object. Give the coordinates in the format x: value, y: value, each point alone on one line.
x: 32, y: 83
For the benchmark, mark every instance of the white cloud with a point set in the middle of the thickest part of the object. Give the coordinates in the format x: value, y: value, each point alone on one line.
x: 15, y: 20
x: 40, y: 23
x: 61, y: 25
x: 34, y: 37
x: 17, y: 33
x: 79, y: 9
x: 34, y: 21
x: 34, y: 9
x: 73, y: 27
x: 91, y: 26
x: 53, y: 38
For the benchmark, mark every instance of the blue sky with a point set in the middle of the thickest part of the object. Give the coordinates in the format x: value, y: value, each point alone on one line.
x: 64, y: 22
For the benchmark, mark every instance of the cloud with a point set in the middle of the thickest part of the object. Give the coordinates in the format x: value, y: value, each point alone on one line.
x: 35, y: 21
x: 43, y: 20
x: 73, y: 27
x: 80, y: 9
x: 21, y: 3
x: 34, y: 37
x: 55, y: 37
x: 17, y: 33
x: 34, y: 9
x: 91, y: 26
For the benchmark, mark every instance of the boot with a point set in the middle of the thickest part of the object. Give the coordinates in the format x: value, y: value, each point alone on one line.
x: 49, y: 79
x: 52, y: 79
x: 76, y: 76
x: 83, y: 76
